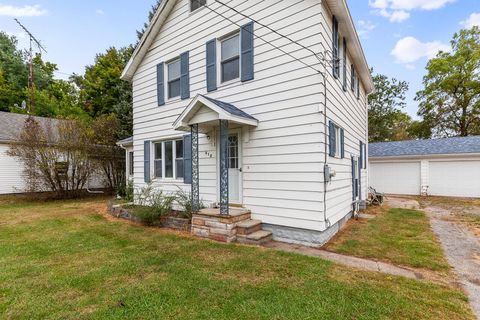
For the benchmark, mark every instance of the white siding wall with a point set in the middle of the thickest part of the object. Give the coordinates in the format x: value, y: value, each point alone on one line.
x: 283, y: 159
x: 11, y: 173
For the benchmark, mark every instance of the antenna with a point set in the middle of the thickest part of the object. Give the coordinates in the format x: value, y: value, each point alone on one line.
x: 31, y: 83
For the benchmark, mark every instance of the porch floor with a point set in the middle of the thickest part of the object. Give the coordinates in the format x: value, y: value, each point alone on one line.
x: 232, y: 212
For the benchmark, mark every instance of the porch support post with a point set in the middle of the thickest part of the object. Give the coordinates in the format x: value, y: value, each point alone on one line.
x: 195, y: 170
x: 224, y: 167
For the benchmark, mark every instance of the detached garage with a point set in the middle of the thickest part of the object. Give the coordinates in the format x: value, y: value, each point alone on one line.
x: 440, y: 167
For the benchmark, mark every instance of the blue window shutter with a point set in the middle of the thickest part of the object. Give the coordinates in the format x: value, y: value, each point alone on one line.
x: 160, y: 84
x: 146, y: 161
x: 212, y: 65
x: 184, y: 75
x: 335, y: 45
x: 187, y: 159
x: 344, y: 64
x: 342, y: 143
x: 246, y: 36
x: 332, y: 139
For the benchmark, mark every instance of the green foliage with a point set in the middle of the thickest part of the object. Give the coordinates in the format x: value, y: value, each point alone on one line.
x: 450, y: 100
x: 184, y: 200
x: 386, y: 120
x: 158, y: 203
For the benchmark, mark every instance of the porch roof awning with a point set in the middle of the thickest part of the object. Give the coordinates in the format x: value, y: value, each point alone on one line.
x: 206, y: 112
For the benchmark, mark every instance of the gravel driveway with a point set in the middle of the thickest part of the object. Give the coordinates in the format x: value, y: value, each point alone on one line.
x: 462, y: 249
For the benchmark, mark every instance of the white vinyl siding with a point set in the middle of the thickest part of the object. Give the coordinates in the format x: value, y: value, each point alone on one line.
x: 283, y: 158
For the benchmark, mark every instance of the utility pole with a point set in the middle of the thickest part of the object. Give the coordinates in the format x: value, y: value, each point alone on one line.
x: 31, y: 82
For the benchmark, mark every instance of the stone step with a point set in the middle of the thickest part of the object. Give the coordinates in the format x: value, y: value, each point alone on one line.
x: 258, y: 237
x: 249, y: 226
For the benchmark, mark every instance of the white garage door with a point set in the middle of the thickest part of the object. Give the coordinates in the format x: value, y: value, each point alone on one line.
x: 395, y: 177
x: 454, y: 178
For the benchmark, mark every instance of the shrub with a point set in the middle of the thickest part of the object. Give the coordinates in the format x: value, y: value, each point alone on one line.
x: 154, y: 204
x: 184, y: 200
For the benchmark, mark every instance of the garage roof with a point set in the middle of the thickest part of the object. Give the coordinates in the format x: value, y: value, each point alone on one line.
x: 455, y: 145
x: 12, y: 124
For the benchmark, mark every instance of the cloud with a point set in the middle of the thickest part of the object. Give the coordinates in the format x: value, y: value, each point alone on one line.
x: 472, y: 20
x: 399, y: 10
x: 100, y: 12
x: 409, y: 50
x: 25, y: 11
x: 365, y: 27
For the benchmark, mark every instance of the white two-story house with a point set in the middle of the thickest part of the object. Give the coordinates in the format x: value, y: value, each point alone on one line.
x: 258, y: 104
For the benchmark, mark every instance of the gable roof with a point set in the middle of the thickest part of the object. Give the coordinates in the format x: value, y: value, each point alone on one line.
x: 221, y: 111
x: 11, y: 124
x: 230, y: 108
x: 456, y: 145
x: 338, y: 7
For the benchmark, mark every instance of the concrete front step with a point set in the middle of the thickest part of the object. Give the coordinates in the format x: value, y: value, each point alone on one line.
x: 257, y: 237
x: 248, y: 227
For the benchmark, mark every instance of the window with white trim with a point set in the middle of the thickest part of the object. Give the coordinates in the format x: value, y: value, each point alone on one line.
x: 338, y: 142
x: 168, y: 159
x: 230, y: 58
x: 173, y: 74
x: 197, y: 4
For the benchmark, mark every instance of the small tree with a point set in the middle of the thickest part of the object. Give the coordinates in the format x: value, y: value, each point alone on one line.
x: 109, y: 157
x: 55, y: 156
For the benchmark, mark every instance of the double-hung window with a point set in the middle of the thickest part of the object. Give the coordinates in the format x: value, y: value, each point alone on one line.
x: 338, y: 142
x: 174, y: 79
x: 168, y: 161
x: 197, y: 4
x: 230, y: 58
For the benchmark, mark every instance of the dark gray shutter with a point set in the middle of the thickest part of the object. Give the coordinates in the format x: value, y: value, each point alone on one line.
x: 184, y: 76
x: 352, y: 81
x: 342, y: 142
x: 358, y: 87
x: 246, y: 41
x: 212, y: 65
x: 187, y: 159
x: 360, y: 161
x: 344, y: 64
x: 160, y: 84
x: 335, y: 45
x: 146, y: 161
x: 354, y: 179
x: 331, y: 139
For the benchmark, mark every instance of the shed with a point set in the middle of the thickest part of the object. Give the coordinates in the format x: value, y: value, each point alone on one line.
x: 440, y: 167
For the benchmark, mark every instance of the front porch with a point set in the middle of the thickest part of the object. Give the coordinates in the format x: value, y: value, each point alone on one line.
x: 222, y: 123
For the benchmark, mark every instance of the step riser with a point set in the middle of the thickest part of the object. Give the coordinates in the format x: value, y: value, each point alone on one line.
x: 247, y: 231
x: 254, y: 242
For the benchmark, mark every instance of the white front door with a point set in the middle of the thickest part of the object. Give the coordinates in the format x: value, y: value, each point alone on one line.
x: 234, y: 167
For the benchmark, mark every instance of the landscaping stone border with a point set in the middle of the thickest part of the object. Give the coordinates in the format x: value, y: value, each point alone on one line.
x: 181, y: 224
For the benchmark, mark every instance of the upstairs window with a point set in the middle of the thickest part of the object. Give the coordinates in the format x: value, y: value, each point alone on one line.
x: 174, y: 79
x: 335, y: 49
x: 230, y: 58
x: 197, y: 4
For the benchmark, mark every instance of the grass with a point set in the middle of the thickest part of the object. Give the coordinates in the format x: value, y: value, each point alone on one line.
x: 64, y: 260
x: 398, y: 236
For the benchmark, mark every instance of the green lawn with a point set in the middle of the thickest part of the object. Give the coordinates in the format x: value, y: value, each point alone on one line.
x: 399, y: 236
x: 63, y: 260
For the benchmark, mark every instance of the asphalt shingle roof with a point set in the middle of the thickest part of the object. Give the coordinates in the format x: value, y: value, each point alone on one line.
x: 11, y: 124
x: 455, y: 145
x: 230, y: 108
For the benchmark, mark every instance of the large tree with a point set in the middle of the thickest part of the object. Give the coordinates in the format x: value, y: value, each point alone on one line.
x: 386, y: 121
x: 451, y: 98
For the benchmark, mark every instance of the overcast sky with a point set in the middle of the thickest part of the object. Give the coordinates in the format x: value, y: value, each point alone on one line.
x: 398, y: 36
